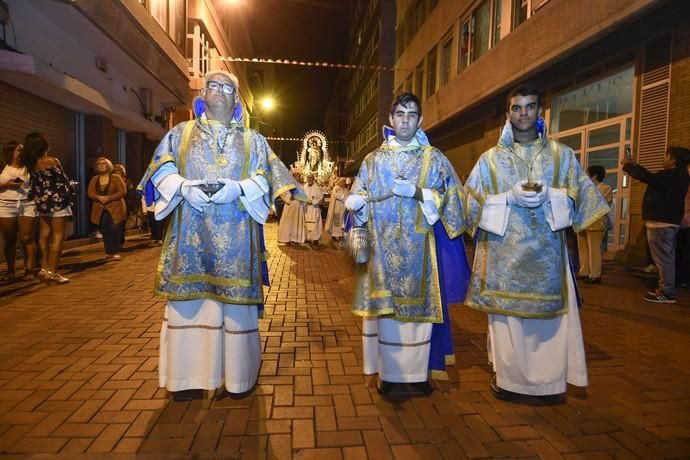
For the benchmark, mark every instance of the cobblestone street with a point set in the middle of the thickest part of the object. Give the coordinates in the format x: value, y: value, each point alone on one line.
x: 78, y: 376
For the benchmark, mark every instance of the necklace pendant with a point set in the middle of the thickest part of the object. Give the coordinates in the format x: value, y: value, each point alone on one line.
x: 222, y: 161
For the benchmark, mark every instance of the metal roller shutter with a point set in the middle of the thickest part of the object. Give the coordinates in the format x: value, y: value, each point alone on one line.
x: 24, y: 112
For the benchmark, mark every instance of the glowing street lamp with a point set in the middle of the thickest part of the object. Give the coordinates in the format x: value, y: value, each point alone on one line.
x: 267, y: 103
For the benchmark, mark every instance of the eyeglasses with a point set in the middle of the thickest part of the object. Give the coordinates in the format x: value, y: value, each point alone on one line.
x: 227, y: 88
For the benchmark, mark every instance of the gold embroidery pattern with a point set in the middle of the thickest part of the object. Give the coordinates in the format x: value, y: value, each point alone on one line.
x: 248, y: 331
x: 395, y: 344
x: 523, y: 273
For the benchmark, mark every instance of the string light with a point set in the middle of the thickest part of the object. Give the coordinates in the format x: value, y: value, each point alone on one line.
x: 299, y: 63
x: 298, y: 139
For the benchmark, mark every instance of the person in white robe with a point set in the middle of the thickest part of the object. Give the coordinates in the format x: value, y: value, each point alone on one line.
x: 402, y: 189
x: 521, y: 195
x: 313, y: 217
x: 336, y: 210
x: 217, y: 181
x: 292, y: 226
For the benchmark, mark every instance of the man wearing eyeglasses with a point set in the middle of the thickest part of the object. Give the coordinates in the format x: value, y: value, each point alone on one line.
x: 217, y: 180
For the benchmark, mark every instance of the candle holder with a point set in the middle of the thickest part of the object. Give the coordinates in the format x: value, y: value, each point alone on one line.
x: 210, y: 188
x: 532, y: 187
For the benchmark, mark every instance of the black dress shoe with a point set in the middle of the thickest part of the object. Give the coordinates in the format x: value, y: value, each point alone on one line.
x: 407, y: 390
x: 385, y: 388
x: 422, y: 388
x: 187, y: 395
x: 581, y: 277
x: 592, y: 281
x: 499, y: 392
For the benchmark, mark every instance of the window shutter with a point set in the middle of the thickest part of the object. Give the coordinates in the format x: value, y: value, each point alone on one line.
x: 654, y: 103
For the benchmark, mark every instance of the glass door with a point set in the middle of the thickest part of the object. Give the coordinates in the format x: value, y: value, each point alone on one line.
x: 604, y: 144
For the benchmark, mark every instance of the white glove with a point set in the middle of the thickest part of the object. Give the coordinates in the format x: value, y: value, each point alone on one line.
x: 404, y: 188
x: 527, y: 198
x: 230, y: 191
x: 193, y: 195
x: 355, y: 202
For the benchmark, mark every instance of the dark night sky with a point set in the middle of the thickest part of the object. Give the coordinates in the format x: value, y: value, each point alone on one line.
x: 308, y: 30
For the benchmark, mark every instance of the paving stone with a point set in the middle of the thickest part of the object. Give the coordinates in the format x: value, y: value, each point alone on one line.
x: 338, y: 438
x: 89, y: 384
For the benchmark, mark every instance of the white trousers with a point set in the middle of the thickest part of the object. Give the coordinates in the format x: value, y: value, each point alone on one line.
x: 397, y: 351
x: 205, y: 342
x: 538, y: 356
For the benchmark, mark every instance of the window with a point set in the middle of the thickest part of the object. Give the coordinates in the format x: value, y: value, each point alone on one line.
x: 171, y: 15
x: 446, y: 57
x: 419, y: 80
x: 497, y: 21
x: 481, y: 20
x: 159, y: 11
x: 606, y: 98
x: 420, y: 13
x: 520, y: 12
x: 464, y: 48
x: 431, y: 72
x: 178, y: 20
x: 416, y: 15
x: 479, y: 32
x: 399, y: 41
x: 411, y: 25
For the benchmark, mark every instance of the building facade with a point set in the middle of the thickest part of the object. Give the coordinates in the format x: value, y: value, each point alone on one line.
x: 107, y: 78
x: 363, y: 95
x: 614, y: 75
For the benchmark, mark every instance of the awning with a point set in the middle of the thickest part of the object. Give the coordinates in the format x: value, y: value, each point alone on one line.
x: 33, y: 76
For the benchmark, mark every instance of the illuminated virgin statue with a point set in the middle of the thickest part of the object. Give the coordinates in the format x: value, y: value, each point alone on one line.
x: 314, y: 159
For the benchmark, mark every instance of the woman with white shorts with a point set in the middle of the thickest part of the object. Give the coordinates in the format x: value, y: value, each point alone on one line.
x: 50, y: 192
x: 17, y: 212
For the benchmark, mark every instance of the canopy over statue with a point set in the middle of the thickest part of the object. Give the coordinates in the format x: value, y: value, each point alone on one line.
x: 314, y: 159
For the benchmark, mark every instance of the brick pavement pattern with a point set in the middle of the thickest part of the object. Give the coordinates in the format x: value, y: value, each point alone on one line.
x: 78, y: 376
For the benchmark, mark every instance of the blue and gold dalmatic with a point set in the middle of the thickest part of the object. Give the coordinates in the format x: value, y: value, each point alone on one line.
x: 215, y: 254
x: 523, y: 273
x: 401, y: 280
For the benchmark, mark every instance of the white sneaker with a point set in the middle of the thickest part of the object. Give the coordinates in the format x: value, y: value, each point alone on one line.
x: 651, y: 268
x: 117, y: 257
x: 56, y: 278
